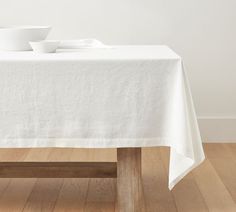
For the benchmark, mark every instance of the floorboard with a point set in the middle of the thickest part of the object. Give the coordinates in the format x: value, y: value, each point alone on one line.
x: 210, y: 187
x: 45, y: 192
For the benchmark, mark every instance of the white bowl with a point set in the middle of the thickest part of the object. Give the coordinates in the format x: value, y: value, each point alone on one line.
x: 17, y: 38
x: 45, y: 46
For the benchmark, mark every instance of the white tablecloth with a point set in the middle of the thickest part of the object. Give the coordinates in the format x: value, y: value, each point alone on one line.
x: 126, y: 96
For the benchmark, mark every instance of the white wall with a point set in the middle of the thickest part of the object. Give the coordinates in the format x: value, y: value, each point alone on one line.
x: 203, y: 32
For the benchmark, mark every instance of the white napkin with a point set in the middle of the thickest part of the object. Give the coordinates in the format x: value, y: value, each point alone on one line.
x: 83, y: 43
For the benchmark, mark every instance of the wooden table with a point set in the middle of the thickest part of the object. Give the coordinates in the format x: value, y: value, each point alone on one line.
x: 127, y: 170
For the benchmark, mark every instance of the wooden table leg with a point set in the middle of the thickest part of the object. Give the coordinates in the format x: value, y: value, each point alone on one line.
x: 129, y: 183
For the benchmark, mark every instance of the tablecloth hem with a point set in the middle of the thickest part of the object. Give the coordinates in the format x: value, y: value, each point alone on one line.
x: 82, y: 143
x: 187, y: 171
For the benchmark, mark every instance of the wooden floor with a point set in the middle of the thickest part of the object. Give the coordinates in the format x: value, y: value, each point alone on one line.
x: 210, y: 187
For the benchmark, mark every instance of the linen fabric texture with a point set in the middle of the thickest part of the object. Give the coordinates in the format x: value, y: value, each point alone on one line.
x: 124, y: 96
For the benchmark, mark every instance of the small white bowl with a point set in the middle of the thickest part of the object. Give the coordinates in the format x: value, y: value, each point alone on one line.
x: 45, y: 46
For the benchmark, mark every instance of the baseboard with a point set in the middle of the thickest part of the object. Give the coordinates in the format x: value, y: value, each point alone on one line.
x: 218, y: 129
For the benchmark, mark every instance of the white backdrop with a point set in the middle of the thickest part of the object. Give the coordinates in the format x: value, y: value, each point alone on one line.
x: 203, y: 32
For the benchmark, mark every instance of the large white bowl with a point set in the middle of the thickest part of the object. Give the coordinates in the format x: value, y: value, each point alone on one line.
x: 17, y: 38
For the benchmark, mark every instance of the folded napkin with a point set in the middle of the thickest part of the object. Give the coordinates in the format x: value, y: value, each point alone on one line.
x: 83, y: 43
